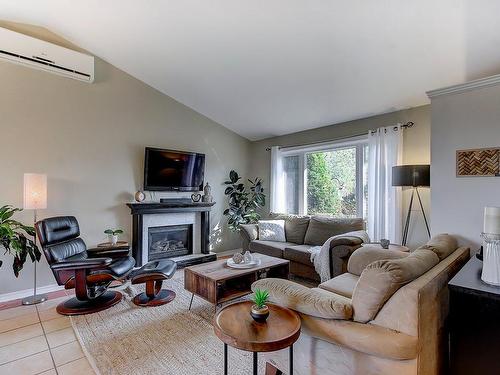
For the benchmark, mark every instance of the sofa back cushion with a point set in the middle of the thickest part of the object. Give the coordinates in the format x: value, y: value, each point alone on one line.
x: 423, y: 300
x: 368, y: 254
x: 295, y: 226
x: 321, y: 228
x: 381, y: 279
x: 441, y: 244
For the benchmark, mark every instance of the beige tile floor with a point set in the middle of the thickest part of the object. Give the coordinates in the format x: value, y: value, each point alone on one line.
x: 37, y: 340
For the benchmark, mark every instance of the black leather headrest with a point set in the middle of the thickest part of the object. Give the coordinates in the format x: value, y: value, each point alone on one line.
x: 57, y: 229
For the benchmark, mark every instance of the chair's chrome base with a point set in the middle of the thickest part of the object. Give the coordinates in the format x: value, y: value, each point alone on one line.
x: 36, y: 299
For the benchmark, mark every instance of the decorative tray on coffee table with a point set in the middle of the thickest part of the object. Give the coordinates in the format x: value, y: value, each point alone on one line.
x: 253, y: 263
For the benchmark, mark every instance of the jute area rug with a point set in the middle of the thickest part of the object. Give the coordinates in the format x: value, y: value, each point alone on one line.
x: 169, y: 339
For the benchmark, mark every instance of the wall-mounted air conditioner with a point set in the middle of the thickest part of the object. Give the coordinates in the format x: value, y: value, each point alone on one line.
x: 34, y: 53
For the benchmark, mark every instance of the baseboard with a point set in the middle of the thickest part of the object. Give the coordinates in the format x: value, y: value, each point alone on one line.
x: 29, y: 292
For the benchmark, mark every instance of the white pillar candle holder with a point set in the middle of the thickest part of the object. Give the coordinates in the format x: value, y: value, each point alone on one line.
x: 491, y: 259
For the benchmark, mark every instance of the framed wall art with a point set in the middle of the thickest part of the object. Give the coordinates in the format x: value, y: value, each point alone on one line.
x: 478, y: 162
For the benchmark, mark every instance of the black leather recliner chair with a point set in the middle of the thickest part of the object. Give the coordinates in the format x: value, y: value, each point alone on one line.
x: 89, y: 271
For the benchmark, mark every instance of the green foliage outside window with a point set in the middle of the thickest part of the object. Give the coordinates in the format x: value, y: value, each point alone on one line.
x: 331, y: 182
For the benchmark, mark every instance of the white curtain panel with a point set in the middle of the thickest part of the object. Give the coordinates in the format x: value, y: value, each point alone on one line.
x: 277, y: 201
x: 385, y: 150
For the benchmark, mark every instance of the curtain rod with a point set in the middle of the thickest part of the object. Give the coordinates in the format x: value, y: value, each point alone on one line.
x: 407, y: 125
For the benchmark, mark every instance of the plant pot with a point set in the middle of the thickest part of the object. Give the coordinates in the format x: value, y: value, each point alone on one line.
x: 113, y: 238
x: 259, y: 315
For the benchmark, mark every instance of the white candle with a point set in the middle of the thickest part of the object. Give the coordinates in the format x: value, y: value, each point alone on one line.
x: 492, y: 220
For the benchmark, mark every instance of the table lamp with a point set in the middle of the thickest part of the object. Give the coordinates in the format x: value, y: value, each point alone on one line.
x: 491, y: 253
x: 415, y: 176
x: 35, y: 198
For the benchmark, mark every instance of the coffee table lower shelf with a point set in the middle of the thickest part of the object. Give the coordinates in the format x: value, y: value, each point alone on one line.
x: 216, y: 283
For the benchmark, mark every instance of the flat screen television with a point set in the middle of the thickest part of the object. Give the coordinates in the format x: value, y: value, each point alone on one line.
x: 170, y: 170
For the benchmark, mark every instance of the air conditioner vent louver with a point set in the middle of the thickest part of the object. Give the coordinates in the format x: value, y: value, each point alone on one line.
x: 25, y: 50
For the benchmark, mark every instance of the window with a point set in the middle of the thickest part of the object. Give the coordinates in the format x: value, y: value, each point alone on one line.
x: 327, y: 179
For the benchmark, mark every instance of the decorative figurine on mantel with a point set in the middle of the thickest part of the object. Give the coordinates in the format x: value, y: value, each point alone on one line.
x: 207, y: 194
x: 139, y: 196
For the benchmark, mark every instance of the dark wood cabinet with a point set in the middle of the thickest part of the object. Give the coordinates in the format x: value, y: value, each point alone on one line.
x: 474, y: 323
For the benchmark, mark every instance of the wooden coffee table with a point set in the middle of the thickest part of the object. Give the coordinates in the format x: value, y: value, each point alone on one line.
x: 234, y: 326
x: 216, y: 283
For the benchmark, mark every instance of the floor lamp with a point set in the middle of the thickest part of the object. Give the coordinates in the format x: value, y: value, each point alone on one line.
x: 415, y: 176
x: 35, y: 198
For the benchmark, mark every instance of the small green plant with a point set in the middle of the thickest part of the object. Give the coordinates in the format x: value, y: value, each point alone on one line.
x: 113, y: 232
x: 260, y: 298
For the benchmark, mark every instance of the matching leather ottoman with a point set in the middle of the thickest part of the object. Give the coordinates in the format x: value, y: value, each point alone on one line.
x: 153, y: 274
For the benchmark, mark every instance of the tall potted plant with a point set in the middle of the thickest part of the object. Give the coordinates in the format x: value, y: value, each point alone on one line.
x: 243, y: 203
x: 16, y: 239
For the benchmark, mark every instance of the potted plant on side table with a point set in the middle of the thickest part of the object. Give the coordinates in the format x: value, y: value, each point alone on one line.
x: 113, y: 235
x: 260, y: 311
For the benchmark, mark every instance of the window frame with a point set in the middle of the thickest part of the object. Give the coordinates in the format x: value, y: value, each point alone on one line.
x: 359, y: 143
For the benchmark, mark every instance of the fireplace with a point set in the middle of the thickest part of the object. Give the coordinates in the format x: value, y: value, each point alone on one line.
x: 170, y: 241
x: 159, y: 216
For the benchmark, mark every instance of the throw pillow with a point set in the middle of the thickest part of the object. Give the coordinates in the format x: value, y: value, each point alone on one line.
x: 272, y: 230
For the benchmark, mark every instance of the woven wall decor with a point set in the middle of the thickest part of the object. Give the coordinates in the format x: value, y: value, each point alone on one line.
x: 478, y: 162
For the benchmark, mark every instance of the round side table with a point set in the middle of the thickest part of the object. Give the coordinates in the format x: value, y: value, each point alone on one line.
x: 234, y: 326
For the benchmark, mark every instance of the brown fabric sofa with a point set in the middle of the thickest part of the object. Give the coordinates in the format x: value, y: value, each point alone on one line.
x: 302, y: 233
x: 389, y: 319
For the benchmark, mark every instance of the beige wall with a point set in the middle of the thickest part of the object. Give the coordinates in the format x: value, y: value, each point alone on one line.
x: 90, y: 139
x: 465, y: 120
x: 416, y: 151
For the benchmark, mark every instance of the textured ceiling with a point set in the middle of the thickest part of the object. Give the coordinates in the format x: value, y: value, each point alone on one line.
x: 266, y: 68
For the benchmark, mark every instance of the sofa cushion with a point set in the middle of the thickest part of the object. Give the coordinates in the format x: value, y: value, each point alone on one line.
x: 295, y: 226
x: 321, y: 228
x: 441, y: 244
x: 249, y: 232
x: 299, y: 254
x: 271, y: 248
x: 381, y: 279
x: 342, y: 284
x: 272, y: 230
x: 367, y: 254
x: 314, y: 302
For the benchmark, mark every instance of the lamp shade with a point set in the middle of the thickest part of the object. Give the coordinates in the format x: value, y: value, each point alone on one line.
x: 35, y: 191
x: 411, y: 175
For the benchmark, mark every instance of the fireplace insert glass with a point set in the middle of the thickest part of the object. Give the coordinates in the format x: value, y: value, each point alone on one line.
x: 169, y: 241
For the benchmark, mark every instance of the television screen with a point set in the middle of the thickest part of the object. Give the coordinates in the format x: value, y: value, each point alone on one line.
x: 173, y: 170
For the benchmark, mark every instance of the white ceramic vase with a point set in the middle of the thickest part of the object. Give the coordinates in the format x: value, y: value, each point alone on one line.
x: 491, y: 259
x: 113, y: 238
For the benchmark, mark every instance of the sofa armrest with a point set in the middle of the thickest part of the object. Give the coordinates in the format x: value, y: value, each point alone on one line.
x: 248, y: 233
x: 347, y: 241
x: 340, y: 250
x: 312, y: 302
x: 362, y: 337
